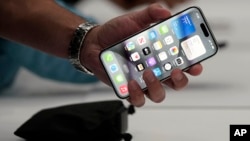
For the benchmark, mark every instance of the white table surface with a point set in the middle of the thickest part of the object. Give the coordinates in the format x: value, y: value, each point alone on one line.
x: 201, y: 112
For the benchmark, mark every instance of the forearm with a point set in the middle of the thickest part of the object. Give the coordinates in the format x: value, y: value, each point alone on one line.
x: 41, y: 24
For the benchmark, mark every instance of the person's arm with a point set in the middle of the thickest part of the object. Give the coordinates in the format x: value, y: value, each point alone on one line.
x: 41, y: 24
x: 44, y: 25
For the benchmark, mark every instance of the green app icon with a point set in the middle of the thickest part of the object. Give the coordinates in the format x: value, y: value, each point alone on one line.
x: 119, y: 78
x: 108, y: 57
x: 163, y: 29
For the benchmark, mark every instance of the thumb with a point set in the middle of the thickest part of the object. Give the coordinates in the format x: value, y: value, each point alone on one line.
x: 131, y: 23
x: 153, y: 13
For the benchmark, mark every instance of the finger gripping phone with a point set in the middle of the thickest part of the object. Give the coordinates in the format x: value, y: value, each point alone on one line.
x: 180, y: 41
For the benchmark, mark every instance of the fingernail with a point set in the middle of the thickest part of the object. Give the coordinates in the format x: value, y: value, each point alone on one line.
x: 178, y: 77
x: 150, y: 76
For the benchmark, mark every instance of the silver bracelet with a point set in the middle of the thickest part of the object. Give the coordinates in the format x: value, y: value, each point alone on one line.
x: 76, y: 45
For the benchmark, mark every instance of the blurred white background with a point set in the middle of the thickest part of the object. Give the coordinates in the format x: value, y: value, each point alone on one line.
x: 202, y: 111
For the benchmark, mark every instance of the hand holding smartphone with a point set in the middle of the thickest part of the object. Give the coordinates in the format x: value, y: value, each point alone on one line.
x: 180, y: 41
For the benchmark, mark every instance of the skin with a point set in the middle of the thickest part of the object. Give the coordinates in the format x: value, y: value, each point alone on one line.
x: 46, y: 26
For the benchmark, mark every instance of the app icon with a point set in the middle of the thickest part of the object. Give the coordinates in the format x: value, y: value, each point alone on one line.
x: 123, y: 89
x: 135, y: 56
x: 152, y: 35
x: 193, y: 47
x: 157, y: 72
x: 174, y: 50
x: 169, y: 40
x: 179, y: 61
x: 157, y: 45
x: 146, y: 51
x: 130, y: 46
x: 163, y: 29
x: 114, y: 68
x: 140, y: 67
x: 162, y: 56
x: 151, y: 61
x: 119, y: 78
x: 108, y: 57
x: 141, y: 40
x: 183, y: 26
x: 167, y: 66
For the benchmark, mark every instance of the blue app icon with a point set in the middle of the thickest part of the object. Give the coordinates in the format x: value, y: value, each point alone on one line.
x: 157, y: 72
x: 114, y: 68
x: 183, y: 26
x: 152, y: 35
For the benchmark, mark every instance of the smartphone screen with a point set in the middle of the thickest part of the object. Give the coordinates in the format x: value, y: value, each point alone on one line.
x: 178, y: 42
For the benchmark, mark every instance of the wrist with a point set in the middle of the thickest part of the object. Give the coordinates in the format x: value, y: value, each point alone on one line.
x: 78, y: 49
x: 90, y: 49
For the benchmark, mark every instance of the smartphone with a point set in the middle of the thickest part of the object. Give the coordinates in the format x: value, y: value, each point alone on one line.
x: 180, y: 41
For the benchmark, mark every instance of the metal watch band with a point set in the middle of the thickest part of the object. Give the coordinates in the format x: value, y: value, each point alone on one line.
x: 76, y: 45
